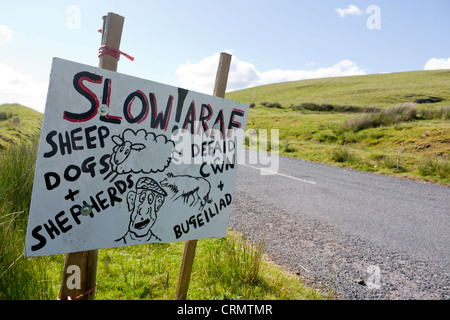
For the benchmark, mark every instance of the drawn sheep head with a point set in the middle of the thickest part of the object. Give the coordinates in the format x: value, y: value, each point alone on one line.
x: 165, y: 182
x: 123, y: 149
x: 169, y: 182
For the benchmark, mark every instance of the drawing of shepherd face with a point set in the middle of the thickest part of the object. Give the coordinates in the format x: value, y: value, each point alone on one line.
x: 144, y: 204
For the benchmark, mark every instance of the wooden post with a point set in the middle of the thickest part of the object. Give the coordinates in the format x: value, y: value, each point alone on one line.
x: 185, y: 270
x: 111, y: 36
x: 86, y: 261
x: 187, y: 260
x: 223, y: 69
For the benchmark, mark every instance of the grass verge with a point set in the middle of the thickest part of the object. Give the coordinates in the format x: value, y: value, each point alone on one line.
x: 388, y: 123
x: 406, y: 140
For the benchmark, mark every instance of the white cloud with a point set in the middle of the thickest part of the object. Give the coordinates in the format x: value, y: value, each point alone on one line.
x: 201, y: 76
x: 436, y: 64
x: 350, y: 10
x: 6, y: 34
x: 18, y: 87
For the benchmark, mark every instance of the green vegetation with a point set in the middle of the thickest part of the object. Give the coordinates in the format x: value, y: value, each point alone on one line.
x: 18, y: 123
x: 395, y: 123
x: 18, y: 276
x: 378, y: 90
x: 230, y: 268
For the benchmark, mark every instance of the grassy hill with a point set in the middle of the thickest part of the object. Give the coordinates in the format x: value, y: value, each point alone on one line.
x: 397, y: 123
x: 18, y: 123
x: 380, y: 90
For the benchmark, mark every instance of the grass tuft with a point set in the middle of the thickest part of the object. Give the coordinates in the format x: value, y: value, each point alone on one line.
x: 342, y: 155
x: 433, y: 166
x: 387, y: 117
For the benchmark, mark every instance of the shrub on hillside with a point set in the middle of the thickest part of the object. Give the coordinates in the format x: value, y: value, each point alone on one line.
x: 342, y: 155
x: 441, y: 113
x: 271, y: 104
x: 326, y: 107
x: 387, y: 117
x: 5, y: 115
x: 439, y: 167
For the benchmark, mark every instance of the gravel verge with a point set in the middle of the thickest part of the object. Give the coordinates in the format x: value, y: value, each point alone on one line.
x: 328, y: 258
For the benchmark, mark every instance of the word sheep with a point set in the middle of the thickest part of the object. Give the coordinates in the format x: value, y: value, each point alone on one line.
x: 140, y: 152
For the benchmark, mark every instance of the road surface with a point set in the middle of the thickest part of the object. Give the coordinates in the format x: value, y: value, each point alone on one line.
x: 358, y: 234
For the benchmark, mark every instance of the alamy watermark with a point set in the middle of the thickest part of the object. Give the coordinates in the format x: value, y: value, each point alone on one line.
x: 374, y: 20
x: 374, y: 279
x: 73, y: 21
x: 74, y: 280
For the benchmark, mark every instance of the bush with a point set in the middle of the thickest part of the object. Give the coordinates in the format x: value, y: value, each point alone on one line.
x: 342, y: 155
x: 271, y: 104
x: 326, y: 136
x: 286, y: 147
x: 5, y: 115
x: 444, y: 113
x: 390, y: 116
x: 441, y: 113
x: 326, y: 107
x: 394, y: 163
x: 439, y: 167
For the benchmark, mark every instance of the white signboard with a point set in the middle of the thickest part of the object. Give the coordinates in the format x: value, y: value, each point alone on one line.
x: 125, y: 161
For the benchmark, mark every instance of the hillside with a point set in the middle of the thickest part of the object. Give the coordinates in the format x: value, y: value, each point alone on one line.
x: 380, y: 90
x: 327, y: 120
x: 18, y: 123
x: 396, y: 124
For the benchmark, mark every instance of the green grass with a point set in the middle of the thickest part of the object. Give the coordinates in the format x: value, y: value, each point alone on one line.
x: 18, y: 123
x: 403, y: 142
x: 435, y: 167
x: 378, y: 90
x: 18, y: 276
x: 366, y: 123
x: 229, y: 268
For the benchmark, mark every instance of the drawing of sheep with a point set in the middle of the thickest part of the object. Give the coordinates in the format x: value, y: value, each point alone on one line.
x: 190, y: 189
x: 139, y: 152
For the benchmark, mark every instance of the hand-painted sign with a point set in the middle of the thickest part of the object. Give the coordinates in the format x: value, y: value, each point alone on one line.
x: 125, y: 161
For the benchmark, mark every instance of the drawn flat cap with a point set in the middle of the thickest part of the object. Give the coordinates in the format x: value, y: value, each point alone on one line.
x: 150, y: 184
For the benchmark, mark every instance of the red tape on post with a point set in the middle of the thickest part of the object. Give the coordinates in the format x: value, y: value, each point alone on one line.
x: 81, y: 295
x: 113, y: 52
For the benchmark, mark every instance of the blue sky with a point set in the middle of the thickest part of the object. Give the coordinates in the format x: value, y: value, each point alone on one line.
x: 177, y: 42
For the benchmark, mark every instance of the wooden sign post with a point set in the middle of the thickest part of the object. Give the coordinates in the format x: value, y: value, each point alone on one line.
x: 84, y: 264
x: 190, y: 246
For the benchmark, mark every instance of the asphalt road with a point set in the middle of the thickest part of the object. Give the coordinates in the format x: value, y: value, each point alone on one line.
x: 356, y: 234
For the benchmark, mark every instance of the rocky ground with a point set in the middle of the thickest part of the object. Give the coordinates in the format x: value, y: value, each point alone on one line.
x: 331, y: 259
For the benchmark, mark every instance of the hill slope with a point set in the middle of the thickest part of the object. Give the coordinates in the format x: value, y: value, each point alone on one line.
x: 18, y: 123
x: 379, y: 90
x: 401, y: 135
